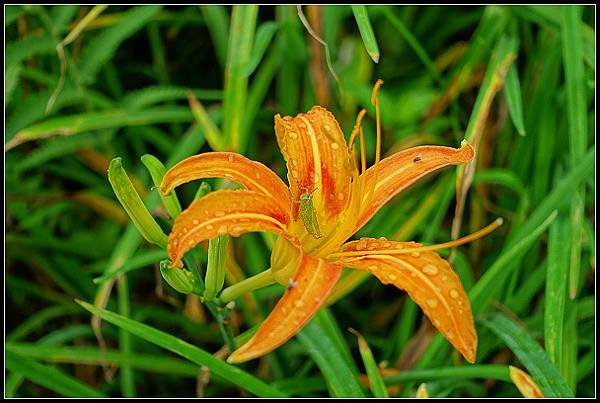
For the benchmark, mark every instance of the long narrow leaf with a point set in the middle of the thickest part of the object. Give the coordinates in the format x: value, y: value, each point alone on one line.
x: 186, y: 350
x: 531, y: 355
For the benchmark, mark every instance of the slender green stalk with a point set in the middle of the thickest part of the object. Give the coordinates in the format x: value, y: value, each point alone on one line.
x: 250, y: 284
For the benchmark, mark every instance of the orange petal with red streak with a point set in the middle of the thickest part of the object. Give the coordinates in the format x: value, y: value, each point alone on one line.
x: 402, y: 169
x: 308, y: 290
x: 429, y: 281
x: 316, y: 155
x: 250, y: 174
x: 232, y: 212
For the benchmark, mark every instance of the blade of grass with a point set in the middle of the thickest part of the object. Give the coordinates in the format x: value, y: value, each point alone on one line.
x: 49, y: 377
x: 577, y: 124
x: 153, y: 363
x: 217, y: 21
x: 529, y: 352
x: 366, y: 31
x: 488, y: 285
x: 375, y: 380
x: 556, y: 291
x: 116, y: 118
x: 194, y: 354
x: 514, y: 98
x: 241, y: 34
x: 413, y: 42
x: 483, y: 371
x: 331, y: 354
x: 264, y: 34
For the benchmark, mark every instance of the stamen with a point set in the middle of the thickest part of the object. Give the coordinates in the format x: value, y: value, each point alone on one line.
x: 375, y: 102
x: 363, y: 154
x: 446, y: 245
x: 356, y: 128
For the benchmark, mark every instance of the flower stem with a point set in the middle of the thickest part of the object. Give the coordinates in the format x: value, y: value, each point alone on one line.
x: 252, y: 283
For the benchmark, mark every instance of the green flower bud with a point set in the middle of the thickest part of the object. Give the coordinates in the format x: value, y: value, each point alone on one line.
x: 133, y: 205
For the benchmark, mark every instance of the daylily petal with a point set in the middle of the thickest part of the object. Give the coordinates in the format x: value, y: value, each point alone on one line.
x: 222, y: 212
x: 316, y: 155
x: 308, y: 290
x: 250, y: 174
x: 402, y: 169
x: 429, y: 281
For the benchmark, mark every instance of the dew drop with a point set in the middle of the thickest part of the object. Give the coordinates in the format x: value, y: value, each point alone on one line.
x: 209, y: 227
x: 334, y: 146
x: 432, y: 302
x: 294, y: 173
x: 373, y: 267
x: 431, y: 270
x: 293, y: 135
x: 195, y: 222
x: 444, y: 277
x: 454, y: 293
x: 393, y: 277
x: 299, y: 303
x: 415, y: 254
x: 340, y: 196
x: 327, y: 127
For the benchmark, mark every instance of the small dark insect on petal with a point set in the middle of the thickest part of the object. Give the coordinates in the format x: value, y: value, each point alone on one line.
x: 291, y: 284
x: 417, y: 158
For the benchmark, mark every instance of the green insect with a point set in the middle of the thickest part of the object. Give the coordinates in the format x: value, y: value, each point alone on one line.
x: 308, y: 214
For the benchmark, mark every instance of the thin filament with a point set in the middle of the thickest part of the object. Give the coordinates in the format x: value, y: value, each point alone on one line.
x: 446, y: 245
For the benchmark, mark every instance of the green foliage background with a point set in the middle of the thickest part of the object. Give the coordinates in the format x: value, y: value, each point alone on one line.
x: 125, y: 92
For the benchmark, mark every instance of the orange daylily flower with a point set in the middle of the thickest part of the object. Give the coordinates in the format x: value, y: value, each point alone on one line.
x: 321, y: 163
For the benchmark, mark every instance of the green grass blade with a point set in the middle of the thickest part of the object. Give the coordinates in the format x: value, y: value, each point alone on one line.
x: 488, y: 286
x: 514, y: 98
x: 264, y: 34
x: 556, y: 198
x: 69, y: 125
x: 577, y: 124
x: 194, y: 354
x: 531, y: 355
x: 413, y: 42
x: 326, y: 349
x: 366, y: 31
x: 375, y: 380
x: 103, y: 46
x: 241, y: 34
x: 49, y: 377
x: 153, y: 363
x: 556, y: 291
x: 217, y: 21
x: 483, y: 371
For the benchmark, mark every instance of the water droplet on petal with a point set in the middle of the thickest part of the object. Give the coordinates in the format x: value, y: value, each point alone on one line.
x: 299, y: 303
x: 195, y: 222
x: 334, y: 146
x: 431, y: 270
x: 393, y: 277
x: 432, y: 302
x: 454, y: 293
x: 415, y: 254
x: 209, y: 227
x: 293, y: 135
x: 340, y: 196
